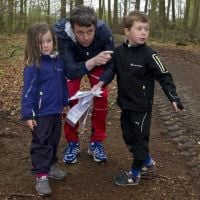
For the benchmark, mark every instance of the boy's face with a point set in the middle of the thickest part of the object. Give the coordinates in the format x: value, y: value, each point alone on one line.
x: 138, y: 33
x: 84, y: 35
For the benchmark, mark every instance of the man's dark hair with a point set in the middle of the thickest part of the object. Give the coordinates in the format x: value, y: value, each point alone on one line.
x: 83, y: 16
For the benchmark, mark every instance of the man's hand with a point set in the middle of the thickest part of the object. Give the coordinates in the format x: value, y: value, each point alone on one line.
x: 100, y: 59
x: 31, y: 123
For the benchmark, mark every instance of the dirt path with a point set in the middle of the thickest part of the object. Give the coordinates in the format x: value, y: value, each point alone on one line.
x: 174, y: 144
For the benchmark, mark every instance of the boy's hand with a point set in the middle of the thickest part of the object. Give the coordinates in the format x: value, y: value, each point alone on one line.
x: 31, y: 123
x: 177, y: 105
x: 97, y: 86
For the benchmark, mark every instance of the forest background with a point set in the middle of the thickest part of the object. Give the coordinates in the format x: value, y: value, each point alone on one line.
x: 171, y: 20
x: 175, y: 35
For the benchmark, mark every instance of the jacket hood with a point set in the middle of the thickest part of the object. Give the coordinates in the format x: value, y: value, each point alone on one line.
x: 63, y: 29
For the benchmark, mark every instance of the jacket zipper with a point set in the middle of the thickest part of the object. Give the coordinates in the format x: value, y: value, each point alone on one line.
x: 40, y: 100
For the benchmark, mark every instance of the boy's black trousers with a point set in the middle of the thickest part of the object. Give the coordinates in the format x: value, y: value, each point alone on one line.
x: 44, y: 144
x: 136, y: 131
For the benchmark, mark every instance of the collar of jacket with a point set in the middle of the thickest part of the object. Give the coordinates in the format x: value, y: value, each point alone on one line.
x: 126, y: 44
x: 51, y: 56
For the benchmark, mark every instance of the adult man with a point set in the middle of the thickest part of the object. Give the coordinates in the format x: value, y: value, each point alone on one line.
x: 85, y: 44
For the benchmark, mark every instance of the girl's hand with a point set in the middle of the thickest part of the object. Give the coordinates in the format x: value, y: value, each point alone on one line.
x: 31, y: 123
x: 65, y: 111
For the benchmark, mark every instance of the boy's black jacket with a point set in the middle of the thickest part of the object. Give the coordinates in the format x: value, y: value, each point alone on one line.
x: 137, y: 68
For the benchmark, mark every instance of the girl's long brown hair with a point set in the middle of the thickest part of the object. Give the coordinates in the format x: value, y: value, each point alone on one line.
x: 33, y: 42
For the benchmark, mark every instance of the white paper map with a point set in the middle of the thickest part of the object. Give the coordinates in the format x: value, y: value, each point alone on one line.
x: 80, y: 109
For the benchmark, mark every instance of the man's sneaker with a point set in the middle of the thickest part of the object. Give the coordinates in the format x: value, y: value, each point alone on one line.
x: 149, y: 170
x: 96, y: 150
x: 71, y: 152
x: 126, y: 178
x: 42, y: 186
x: 56, y: 173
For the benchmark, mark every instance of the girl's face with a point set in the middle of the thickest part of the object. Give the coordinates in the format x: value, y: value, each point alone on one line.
x: 46, y: 44
x: 138, y: 33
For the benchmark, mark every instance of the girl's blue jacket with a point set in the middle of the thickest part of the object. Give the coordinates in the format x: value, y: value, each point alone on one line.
x: 44, y: 90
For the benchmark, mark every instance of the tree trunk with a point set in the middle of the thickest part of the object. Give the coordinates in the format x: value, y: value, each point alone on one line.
x: 146, y: 6
x: 153, y: 17
x: 168, y: 9
x: 78, y: 2
x: 195, y: 16
x: 63, y: 9
x: 71, y: 2
x: 21, y: 16
x: 25, y: 14
x: 125, y: 8
x: 100, y: 10
x: 186, y: 13
x: 10, y: 15
x: 1, y: 17
x: 109, y: 13
x: 137, y: 5
x: 48, y: 11
x: 103, y: 10
x: 115, y: 15
x: 173, y: 12
x: 162, y: 18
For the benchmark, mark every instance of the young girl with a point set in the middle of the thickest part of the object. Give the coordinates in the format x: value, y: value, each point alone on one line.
x: 44, y: 99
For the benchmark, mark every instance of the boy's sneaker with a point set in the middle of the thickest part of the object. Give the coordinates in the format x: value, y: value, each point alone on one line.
x: 42, y: 186
x: 56, y: 173
x: 96, y: 150
x: 149, y: 170
x: 71, y: 152
x: 127, y: 178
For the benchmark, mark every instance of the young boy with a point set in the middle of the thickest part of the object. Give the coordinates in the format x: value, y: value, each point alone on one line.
x: 137, y: 67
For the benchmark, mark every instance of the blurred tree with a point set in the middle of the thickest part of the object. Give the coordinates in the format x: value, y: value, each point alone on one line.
x: 109, y: 13
x: 100, y: 9
x: 195, y: 17
x: 115, y: 15
x: 162, y: 19
x: 146, y: 6
x: 153, y: 17
x: 186, y: 13
x: 78, y: 2
x: 137, y: 5
x: 168, y: 9
x: 125, y: 7
x: 1, y: 16
x: 10, y: 15
x: 63, y: 9
x: 173, y: 12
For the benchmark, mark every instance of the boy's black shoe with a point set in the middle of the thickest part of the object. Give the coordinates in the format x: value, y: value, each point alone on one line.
x: 126, y: 178
x: 149, y: 170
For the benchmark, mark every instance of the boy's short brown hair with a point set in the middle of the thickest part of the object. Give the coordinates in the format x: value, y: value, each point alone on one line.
x: 134, y: 16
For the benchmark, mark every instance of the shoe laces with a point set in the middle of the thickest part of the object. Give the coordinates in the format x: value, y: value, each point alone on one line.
x: 98, y: 149
x: 72, y: 148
